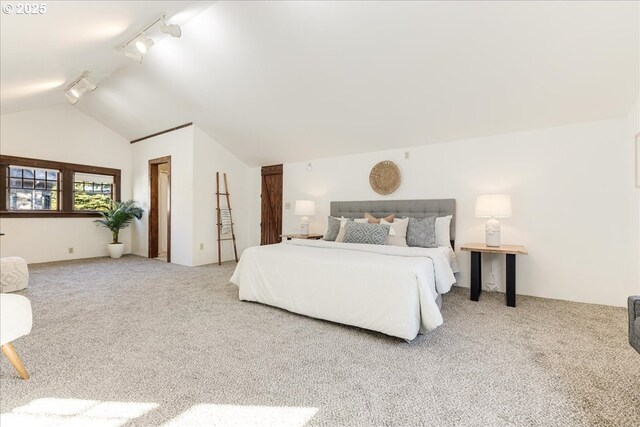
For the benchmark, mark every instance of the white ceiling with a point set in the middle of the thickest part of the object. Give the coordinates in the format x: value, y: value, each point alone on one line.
x: 286, y: 81
x: 42, y: 54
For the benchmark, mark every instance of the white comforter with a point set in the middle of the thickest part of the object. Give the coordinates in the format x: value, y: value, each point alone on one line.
x: 384, y: 288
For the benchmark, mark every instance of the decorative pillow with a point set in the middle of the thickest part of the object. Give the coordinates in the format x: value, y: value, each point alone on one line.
x: 366, y: 234
x: 333, y: 228
x: 343, y: 222
x: 398, y: 233
x: 422, y: 232
x: 443, y: 235
x: 373, y: 220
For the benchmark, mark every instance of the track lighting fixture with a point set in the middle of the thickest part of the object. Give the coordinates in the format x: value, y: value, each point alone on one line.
x: 73, y: 100
x: 134, y: 55
x: 78, y: 87
x: 143, y: 44
x: 136, y: 47
x: 77, y: 91
x: 171, y: 29
x: 87, y: 84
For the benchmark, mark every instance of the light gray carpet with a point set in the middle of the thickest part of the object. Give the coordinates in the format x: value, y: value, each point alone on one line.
x: 140, y: 331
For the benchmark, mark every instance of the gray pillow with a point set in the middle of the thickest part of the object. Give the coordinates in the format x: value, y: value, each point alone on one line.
x: 367, y: 234
x: 422, y: 232
x: 333, y: 228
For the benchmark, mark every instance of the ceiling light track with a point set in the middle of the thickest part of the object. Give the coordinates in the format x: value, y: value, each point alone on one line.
x: 79, y: 87
x: 136, y: 47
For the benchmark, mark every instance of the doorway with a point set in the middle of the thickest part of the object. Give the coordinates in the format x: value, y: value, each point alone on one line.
x: 271, y: 209
x: 160, y: 209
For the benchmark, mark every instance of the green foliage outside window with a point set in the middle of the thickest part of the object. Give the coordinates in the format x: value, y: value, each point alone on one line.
x: 84, y: 200
x: 91, y: 202
x: 54, y: 198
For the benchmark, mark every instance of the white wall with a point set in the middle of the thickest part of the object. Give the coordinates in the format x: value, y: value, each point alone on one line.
x: 179, y: 145
x: 209, y: 158
x: 65, y: 134
x: 574, y: 205
x: 195, y: 159
x: 633, y: 128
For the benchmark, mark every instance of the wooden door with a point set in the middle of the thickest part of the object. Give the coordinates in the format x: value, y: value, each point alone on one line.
x: 271, y: 211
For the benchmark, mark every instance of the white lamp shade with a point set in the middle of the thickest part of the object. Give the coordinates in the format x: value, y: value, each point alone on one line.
x: 305, y: 207
x: 493, y: 206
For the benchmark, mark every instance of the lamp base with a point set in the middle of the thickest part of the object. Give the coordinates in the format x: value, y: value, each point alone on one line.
x: 304, y: 226
x: 492, y: 233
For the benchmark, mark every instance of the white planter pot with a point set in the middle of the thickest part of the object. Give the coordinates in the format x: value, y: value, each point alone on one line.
x: 115, y: 249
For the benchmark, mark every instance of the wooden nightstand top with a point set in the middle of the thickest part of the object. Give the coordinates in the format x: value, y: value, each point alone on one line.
x: 502, y: 249
x: 302, y: 236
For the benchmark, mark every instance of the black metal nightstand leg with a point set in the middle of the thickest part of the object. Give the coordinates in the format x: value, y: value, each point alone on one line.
x: 476, y: 276
x: 511, y: 280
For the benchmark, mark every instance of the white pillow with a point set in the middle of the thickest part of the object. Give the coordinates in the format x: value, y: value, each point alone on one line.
x: 398, y: 231
x: 343, y: 222
x: 443, y: 224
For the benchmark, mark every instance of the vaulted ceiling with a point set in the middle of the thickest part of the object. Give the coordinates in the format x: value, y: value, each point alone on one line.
x: 286, y: 81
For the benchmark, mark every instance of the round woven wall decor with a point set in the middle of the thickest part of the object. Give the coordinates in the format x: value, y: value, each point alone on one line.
x: 385, y: 177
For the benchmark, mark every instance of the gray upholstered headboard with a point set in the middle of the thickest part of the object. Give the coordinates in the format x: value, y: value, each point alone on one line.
x: 401, y: 208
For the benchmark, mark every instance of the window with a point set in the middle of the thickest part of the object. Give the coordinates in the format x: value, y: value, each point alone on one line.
x: 32, y: 187
x: 92, y: 192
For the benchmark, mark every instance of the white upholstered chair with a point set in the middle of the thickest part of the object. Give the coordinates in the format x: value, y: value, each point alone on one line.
x: 15, y: 322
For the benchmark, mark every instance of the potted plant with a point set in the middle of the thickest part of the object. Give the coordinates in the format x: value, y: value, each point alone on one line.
x: 116, y: 218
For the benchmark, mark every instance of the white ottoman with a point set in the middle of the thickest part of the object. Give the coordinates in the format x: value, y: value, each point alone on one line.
x: 14, y: 274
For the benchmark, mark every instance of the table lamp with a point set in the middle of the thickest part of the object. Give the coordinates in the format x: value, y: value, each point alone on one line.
x: 304, y: 208
x: 493, y: 206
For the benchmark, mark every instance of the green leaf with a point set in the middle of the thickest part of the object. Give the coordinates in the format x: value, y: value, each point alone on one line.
x: 119, y: 216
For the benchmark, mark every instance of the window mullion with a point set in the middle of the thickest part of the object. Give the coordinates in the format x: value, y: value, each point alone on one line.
x: 67, y: 190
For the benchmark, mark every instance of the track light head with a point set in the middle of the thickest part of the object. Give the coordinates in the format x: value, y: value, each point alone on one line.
x: 77, y: 91
x: 73, y: 100
x: 78, y: 87
x: 134, y: 55
x: 171, y: 29
x: 137, y: 46
x: 87, y: 84
x: 143, y: 44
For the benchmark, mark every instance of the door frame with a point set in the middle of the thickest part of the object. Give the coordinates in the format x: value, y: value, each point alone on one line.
x: 153, y: 207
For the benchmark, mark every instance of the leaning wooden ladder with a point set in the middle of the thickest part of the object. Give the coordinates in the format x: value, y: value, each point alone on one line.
x: 233, y: 234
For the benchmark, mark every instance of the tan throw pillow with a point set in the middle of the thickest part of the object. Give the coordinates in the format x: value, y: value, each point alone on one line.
x: 374, y: 220
x: 398, y: 232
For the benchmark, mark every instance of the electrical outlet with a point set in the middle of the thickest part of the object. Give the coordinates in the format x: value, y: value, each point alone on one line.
x: 287, y: 205
x: 201, y: 246
x: 407, y: 155
x: 70, y: 250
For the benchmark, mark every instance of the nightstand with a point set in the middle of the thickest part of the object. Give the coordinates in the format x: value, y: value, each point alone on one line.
x: 510, y: 251
x: 302, y: 236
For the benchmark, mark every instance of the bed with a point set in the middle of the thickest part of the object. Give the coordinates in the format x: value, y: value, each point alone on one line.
x: 389, y: 289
